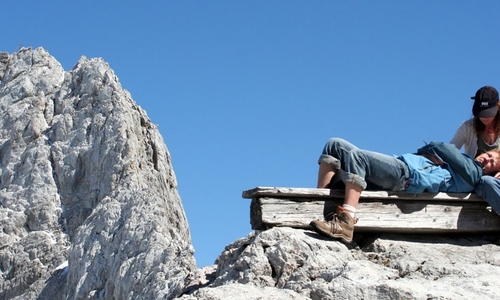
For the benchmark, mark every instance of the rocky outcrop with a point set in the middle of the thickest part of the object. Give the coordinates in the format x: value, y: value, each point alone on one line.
x: 285, y: 263
x: 89, y: 209
x: 89, y: 202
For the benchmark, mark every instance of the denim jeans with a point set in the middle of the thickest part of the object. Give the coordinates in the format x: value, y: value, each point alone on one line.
x: 489, y: 189
x: 364, y: 168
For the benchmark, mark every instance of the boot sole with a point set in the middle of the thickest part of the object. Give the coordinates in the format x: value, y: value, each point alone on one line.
x: 328, y: 234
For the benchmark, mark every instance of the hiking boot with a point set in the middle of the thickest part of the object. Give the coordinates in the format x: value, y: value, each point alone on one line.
x: 340, y: 226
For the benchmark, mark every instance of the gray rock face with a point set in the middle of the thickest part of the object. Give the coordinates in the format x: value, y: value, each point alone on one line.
x: 89, y: 202
x: 285, y: 263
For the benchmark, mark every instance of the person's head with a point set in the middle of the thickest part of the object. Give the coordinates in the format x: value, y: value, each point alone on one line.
x: 485, y: 102
x: 490, y: 161
x: 485, y: 109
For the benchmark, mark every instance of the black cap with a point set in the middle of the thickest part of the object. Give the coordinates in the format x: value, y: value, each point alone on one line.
x: 485, y: 102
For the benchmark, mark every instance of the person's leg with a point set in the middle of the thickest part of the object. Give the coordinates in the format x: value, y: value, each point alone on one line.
x: 325, y: 175
x: 331, y: 161
x: 383, y: 170
x: 352, y: 194
x: 363, y: 166
x: 489, y: 189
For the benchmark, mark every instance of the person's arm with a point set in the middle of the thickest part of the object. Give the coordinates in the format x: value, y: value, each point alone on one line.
x: 465, y: 166
x: 466, y: 137
x: 460, y: 137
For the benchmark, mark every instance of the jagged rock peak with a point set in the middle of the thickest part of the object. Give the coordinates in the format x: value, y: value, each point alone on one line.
x: 89, y: 206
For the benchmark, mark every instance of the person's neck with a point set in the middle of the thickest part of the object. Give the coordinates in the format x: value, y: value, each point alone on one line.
x: 489, y: 128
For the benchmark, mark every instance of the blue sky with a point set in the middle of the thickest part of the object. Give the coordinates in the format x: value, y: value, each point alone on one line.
x: 246, y: 93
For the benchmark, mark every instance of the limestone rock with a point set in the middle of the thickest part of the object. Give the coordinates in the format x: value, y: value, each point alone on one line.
x: 89, y: 202
x: 308, y: 266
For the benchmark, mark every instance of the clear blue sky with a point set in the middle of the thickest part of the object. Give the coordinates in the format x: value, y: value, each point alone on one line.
x: 246, y: 93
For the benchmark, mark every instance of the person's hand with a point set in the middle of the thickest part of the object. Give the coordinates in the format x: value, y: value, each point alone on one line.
x: 497, y: 175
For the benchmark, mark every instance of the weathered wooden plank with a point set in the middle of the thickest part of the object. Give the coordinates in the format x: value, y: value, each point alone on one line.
x: 327, y: 193
x: 388, y: 215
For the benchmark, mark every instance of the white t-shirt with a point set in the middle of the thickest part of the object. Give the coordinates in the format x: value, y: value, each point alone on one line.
x: 466, y: 137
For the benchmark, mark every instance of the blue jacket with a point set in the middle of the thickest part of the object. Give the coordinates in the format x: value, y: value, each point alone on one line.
x: 458, y: 174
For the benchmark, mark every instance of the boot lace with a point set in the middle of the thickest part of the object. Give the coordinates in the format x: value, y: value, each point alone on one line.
x: 334, y: 217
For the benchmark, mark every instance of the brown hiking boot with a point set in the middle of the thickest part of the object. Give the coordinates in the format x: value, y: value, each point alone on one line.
x: 340, y: 226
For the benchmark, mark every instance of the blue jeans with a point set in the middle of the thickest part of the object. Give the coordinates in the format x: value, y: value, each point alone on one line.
x: 489, y: 189
x: 364, y: 168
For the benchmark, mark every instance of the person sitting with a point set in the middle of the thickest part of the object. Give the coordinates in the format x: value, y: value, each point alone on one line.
x: 479, y: 134
x: 435, y: 167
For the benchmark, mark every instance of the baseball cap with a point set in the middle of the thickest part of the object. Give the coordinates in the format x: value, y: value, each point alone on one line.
x: 485, y: 102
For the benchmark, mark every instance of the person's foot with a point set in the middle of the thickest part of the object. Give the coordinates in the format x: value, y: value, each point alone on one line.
x: 340, y: 226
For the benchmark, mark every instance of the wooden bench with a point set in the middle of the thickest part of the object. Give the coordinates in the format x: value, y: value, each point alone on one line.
x: 377, y: 211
